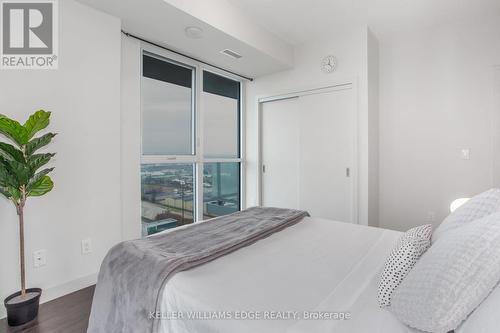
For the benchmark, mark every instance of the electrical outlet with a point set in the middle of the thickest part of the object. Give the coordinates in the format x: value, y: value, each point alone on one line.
x: 86, y: 246
x: 39, y: 258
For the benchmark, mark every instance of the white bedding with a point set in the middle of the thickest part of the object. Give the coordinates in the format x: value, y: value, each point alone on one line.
x: 314, y: 266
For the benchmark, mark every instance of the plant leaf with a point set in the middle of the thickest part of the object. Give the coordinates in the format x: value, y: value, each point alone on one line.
x: 14, y: 193
x: 10, y: 152
x: 38, y: 143
x: 5, y: 192
x: 19, y: 171
x: 36, y: 122
x: 36, y: 161
x: 41, y: 187
x: 13, y: 130
x: 6, y: 175
x: 36, y: 178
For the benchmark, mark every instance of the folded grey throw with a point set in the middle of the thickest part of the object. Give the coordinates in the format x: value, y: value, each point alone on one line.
x: 134, y: 273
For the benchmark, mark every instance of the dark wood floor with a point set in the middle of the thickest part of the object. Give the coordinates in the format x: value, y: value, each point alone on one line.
x: 68, y: 314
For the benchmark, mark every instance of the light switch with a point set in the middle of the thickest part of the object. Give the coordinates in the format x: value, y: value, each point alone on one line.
x: 86, y: 246
x: 465, y: 154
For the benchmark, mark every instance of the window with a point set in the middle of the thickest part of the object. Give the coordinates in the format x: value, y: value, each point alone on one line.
x: 221, y: 189
x: 167, y: 195
x: 167, y: 107
x: 191, y: 157
x: 221, y: 100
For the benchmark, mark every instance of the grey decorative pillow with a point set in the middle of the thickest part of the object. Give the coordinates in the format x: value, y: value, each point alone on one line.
x: 403, y: 257
x: 479, y: 206
x: 452, y: 278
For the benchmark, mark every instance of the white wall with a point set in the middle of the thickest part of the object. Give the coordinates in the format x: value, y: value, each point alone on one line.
x: 495, y: 124
x: 350, y: 50
x: 84, y: 96
x: 435, y: 98
x: 372, y: 73
x: 131, y: 60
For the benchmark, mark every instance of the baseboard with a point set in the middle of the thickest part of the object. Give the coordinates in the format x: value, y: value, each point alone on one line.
x: 66, y: 288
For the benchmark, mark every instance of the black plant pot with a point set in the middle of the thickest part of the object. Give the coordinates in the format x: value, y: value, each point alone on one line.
x: 22, y: 312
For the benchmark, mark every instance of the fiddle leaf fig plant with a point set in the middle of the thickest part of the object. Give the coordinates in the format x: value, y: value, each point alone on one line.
x: 21, y: 168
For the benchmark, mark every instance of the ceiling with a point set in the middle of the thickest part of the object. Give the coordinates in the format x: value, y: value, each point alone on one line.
x: 297, y: 21
x: 265, y: 32
x: 160, y: 22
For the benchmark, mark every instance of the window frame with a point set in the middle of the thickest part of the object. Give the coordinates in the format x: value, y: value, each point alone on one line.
x: 197, y: 158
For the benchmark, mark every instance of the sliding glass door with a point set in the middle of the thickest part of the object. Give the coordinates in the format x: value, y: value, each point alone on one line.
x: 191, y: 144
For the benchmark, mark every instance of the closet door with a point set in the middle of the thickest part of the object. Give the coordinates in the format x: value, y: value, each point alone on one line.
x: 326, y: 154
x: 280, y: 155
x: 308, y: 153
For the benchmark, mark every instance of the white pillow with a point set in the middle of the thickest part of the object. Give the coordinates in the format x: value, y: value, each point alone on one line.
x: 477, y: 207
x: 410, y: 246
x: 485, y: 317
x: 452, y: 278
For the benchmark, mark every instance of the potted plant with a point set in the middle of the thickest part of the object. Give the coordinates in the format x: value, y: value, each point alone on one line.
x: 21, y: 178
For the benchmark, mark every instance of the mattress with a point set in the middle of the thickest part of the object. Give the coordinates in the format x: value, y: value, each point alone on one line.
x: 316, y: 276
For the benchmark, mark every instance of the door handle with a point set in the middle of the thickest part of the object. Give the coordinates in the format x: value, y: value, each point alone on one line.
x: 348, y: 172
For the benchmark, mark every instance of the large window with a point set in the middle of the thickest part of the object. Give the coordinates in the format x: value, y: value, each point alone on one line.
x: 191, y: 156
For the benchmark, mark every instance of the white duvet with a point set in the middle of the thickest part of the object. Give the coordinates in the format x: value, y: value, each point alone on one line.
x: 314, y: 268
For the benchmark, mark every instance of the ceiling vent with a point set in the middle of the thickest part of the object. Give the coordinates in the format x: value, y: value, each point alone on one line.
x: 231, y: 54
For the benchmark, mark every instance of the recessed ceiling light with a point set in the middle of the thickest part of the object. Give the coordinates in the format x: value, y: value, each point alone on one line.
x: 194, y: 32
x: 231, y: 53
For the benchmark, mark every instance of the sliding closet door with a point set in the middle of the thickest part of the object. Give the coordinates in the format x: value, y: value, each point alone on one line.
x: 280, y: 128
x: 308, y: 152
x: 326, y: 154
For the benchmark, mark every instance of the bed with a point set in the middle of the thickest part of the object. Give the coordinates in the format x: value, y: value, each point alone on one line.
x: 314, y: 266
x: 260, y: 270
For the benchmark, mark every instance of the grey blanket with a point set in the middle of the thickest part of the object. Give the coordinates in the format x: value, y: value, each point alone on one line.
x: 134, y: 273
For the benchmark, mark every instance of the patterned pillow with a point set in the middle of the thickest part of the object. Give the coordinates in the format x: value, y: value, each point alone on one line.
x: 403, y: 257
x: 478, y: 207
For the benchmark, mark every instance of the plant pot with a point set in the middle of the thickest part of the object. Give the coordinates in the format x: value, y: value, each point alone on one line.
x: 22, y: 311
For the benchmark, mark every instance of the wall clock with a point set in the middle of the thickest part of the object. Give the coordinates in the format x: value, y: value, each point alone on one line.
x: 328, y: 64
